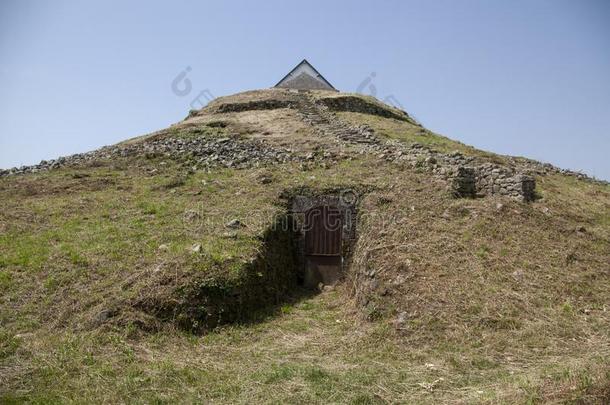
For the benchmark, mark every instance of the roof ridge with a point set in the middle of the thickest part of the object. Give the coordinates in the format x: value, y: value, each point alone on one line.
x: 306, y: 62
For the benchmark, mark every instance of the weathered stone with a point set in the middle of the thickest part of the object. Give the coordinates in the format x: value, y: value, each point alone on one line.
x: 103, y: 316
x: 401, y: 320
x: 234, y: 224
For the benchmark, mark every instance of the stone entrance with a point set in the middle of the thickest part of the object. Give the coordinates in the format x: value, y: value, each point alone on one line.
x: 326, y: 236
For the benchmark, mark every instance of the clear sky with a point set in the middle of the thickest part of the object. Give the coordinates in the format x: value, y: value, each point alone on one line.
x: 529, y: 78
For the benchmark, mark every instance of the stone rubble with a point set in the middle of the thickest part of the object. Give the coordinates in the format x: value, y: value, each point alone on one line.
x: 201, y: 152
x: 466, y: 177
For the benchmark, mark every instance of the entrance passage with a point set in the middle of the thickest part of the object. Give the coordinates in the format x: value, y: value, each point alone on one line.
x: 323, y: 227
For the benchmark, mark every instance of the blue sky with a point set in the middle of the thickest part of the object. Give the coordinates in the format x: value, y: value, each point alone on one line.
x: 529, y: 78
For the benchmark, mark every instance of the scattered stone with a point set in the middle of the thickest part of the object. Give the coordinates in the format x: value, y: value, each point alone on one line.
x: 429, y: 386
x: 401, y: 320
x: 201, y: 153
x: 400, y: 279
x: 264, y: 179
x: 234, y: 224
x: 163, y: 247
x: 196, y: 248
x: 191, y: 216
x: 103, y: 316
x: 79, y: 175
x: 517, y: 275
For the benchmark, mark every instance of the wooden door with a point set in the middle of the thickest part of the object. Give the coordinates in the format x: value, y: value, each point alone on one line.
x: 323, y: 227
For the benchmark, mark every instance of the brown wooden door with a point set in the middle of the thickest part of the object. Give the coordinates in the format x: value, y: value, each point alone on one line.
x: 323, y: 227
x: 323, y: 231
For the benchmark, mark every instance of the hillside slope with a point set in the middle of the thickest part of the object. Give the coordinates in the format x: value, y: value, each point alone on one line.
x: 475, y: 277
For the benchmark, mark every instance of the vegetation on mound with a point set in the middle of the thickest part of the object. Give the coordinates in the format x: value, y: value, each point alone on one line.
x: 467, y: 300
x: 491, y: 283
x: 407, y: 132
x: 78, y: 242
x: 313, y: 350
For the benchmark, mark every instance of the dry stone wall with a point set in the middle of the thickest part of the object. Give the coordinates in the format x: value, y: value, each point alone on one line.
x: 493, y: 179
x: 253, y: 105
x: 468, y: 178
x: 361, y: 105
x: 464, y: 175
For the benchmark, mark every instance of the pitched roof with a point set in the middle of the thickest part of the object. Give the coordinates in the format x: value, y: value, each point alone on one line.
x: 305, y: 76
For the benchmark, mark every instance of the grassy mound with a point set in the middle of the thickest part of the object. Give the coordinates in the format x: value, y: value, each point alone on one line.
x: 107, y: 269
